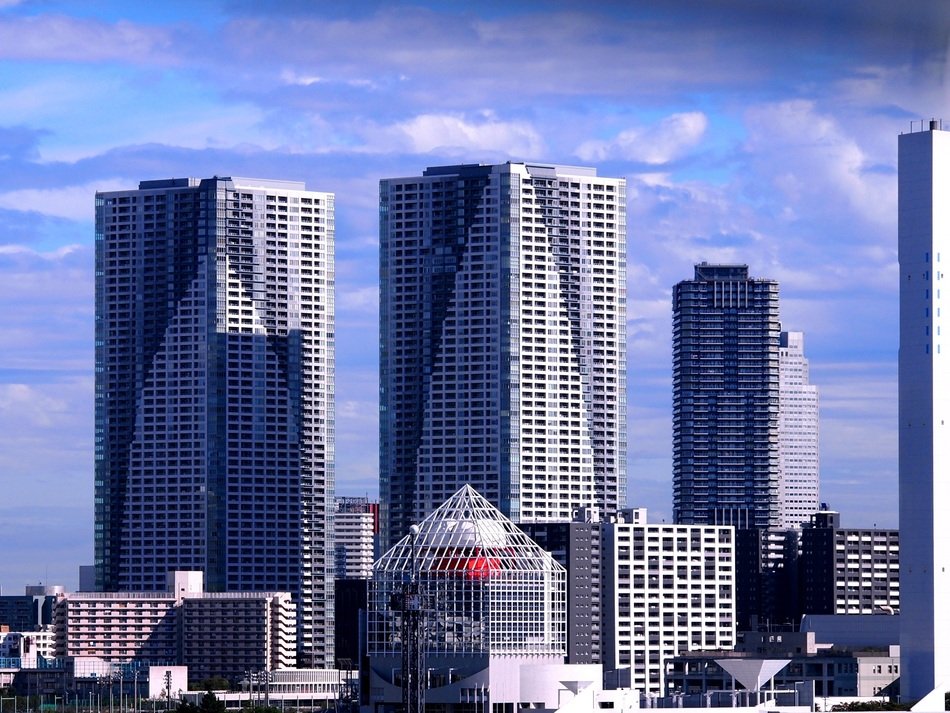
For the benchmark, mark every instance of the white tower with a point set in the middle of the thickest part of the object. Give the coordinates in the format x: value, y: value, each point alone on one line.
x: 924, y: 371
x: 502, y: 341
x: 797, y: 434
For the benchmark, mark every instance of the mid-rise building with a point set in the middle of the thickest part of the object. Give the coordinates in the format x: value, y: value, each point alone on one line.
x: 213, y: 633
x: 214, y: 391
x: 726, y: 398
x: 576, y: 546
x: 848, y: 570
x: 923, y: 229
x: 355, y: 529
x: 767, y: 578
x: 30, y: 611
x: 502, y: 341
x: 668, y: 589
x: 797, y: 434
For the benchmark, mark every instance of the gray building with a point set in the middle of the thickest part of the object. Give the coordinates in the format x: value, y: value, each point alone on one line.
x: 214, y: 391
x: 576, y: 546
x: 726, y: 398
x: 503, y: 341
x: 848, y: 570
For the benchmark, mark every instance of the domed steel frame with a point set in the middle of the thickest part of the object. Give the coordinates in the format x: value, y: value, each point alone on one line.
x: 487, y: 587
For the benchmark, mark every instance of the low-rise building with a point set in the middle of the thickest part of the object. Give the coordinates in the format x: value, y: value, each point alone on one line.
x: 830, y: 671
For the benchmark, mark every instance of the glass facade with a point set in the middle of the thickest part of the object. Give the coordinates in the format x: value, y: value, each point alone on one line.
x: 214, y: 391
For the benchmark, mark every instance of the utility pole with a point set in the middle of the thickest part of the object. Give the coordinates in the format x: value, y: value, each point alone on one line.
x: 410, y: 603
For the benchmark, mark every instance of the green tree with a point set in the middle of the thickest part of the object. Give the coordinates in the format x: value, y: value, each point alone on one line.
x: 211, y: 704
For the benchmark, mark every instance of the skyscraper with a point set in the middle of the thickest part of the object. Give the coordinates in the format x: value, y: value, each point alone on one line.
x: 798, y: 434
x: 726, y: 398
x: 923, y: 227
x: 214, y: 391
x: 503, y: 341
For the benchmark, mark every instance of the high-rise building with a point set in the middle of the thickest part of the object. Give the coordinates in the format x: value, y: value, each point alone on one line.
x: 503, y: 341
x: 214, y: 391
x: 726, y: 398
x: 355, y: 528
x: 797, y: 434
x: 576, y: 546
x: 923, y: 228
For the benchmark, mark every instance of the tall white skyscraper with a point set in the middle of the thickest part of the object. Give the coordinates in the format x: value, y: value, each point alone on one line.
x: 214, y: 391
x: 503, y: 341
x: 797, y: 434
x: 924, y: 410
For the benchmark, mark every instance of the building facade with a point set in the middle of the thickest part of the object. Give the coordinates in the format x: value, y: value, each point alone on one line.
x: 356, y: 528
x: 668, y: 589
x: 848, y: 570
x: 797, y: 434
x: 503, y: 341
x: 214, y: 391
x: 213, y: 633
x: 726, y: 398
x: 576, y: 546
x: 30, y: 611
x: 923, y: 228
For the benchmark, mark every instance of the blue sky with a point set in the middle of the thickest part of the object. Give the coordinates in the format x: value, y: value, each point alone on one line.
x: 755, y: 131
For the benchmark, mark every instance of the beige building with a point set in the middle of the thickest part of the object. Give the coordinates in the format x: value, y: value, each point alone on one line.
x: 214, y: 634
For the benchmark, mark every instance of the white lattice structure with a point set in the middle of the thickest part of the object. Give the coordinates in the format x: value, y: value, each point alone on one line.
x: 490, y: 588
x: 495, y: 601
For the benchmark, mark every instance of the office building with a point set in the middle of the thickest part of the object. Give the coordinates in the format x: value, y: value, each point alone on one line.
x: 726, y: 398
x: 848, y: 570
x: 503, y: 341
x: 797, y: 434
x: 767, y: 578
x: 923, y: 228
x: 668, y: 589
x: 214, y: 391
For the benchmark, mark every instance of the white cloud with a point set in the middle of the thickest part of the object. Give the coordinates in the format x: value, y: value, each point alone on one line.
x: 817, y: 165
x: 358, y: 299
x: 23, y: 250
x: 24, y: 403
x: 72, y: 202
x: 57, y: 37
x: 453, y: 135
x: 661, y: 143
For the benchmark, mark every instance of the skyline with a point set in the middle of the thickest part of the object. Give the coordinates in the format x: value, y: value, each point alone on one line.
x: 759, y: 134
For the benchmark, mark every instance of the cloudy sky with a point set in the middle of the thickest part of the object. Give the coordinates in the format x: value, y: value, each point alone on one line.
x: 755, y: 131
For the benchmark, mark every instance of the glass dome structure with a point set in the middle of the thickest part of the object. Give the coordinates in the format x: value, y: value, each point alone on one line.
x: 486, y: 587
